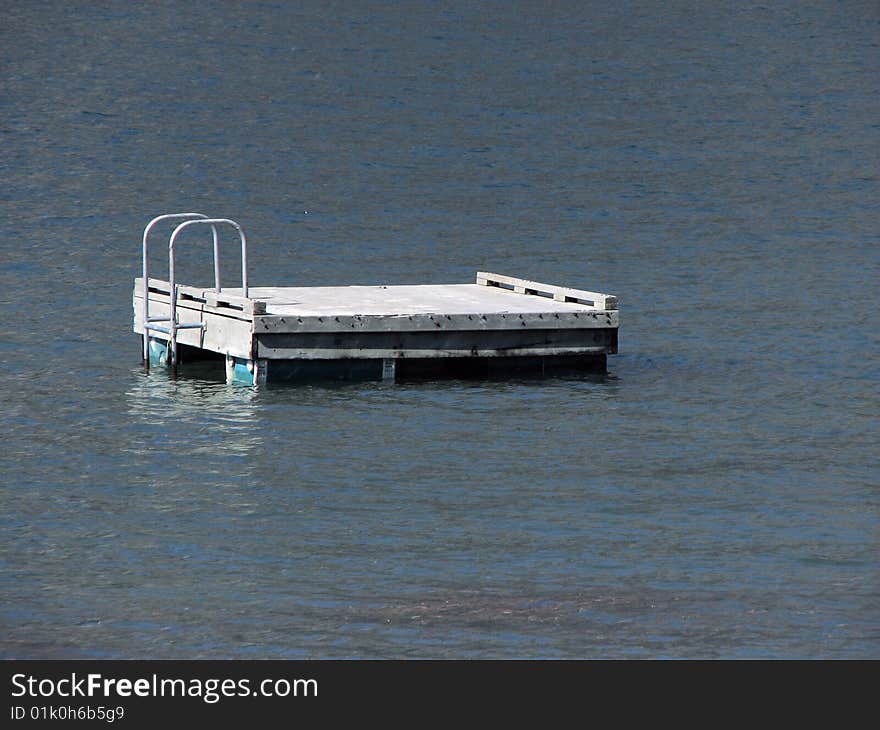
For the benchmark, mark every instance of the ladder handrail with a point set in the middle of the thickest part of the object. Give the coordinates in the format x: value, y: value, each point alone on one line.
x: 146, y: 267
x: 213, y: 222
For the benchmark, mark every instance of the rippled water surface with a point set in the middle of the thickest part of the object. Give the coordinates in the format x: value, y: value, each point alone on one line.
x: 715, y: 495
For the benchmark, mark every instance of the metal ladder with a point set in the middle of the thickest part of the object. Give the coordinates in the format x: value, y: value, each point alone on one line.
x: 151, y: 324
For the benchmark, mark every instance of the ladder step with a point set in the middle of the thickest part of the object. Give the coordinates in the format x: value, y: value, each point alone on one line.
x: 167, y: 330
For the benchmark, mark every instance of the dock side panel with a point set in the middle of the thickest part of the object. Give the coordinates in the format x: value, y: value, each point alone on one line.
x: 223, y: 335
x: 445, y: 344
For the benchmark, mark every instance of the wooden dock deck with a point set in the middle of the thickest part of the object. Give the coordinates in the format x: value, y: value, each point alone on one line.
x: 292, y: 333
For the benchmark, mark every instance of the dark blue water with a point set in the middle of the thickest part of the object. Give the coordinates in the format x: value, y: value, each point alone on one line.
x: 715, y: 167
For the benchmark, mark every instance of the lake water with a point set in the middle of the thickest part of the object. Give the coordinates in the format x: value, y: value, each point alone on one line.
x: 715, y: 166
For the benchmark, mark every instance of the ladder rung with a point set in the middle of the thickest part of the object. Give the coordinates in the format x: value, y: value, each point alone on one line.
x: 158, y: 319
x: 199, y: 325
x: 167, y: 330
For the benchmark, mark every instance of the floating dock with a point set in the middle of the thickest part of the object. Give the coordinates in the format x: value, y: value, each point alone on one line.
x: 269, y: 334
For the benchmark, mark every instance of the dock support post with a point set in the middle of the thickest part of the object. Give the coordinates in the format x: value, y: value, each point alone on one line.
x: 261, y: 368
x: 389, y: 369
x: 246, y: 372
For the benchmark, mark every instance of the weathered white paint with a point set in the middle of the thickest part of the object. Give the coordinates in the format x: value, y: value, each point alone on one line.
x: 557, y: 293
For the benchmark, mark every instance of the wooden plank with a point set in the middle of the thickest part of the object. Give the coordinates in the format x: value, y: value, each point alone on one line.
x: 192, y: 297
x: 193, y: 303
x: 497, y: 343
x: 382, y: 354
x: 585, y: 319
x: 550, y: 291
